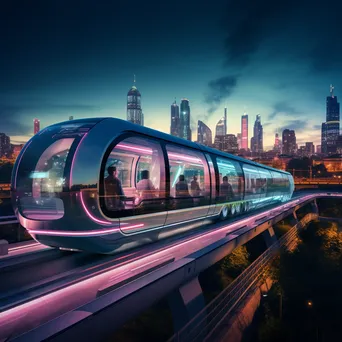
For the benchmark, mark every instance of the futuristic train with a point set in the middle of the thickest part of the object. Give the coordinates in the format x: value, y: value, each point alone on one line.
x: 104, y: 185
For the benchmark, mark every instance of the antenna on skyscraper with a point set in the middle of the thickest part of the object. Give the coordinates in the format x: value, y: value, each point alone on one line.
x: 134, y: 79
x: 332, y: 90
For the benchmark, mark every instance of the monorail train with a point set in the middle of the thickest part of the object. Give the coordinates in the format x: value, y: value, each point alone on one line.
x: 104, y: 185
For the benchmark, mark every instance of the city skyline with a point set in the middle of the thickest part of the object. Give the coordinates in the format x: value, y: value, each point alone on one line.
x: 269, y: 139
x: 248, y: 57
x: 193, y: 131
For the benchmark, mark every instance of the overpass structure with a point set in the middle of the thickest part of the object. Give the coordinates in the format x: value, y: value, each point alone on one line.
x: 75, y: 293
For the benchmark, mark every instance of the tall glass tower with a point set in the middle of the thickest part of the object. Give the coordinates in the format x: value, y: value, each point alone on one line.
x: 134, y: 112
x: 257, y: 140
x: 185, y: 130
x: 174, y: 128
x: 36, y: 126
x: 204, y: 135
x: 244, y: 132
x: 331, y: 128
x: 221, y: 127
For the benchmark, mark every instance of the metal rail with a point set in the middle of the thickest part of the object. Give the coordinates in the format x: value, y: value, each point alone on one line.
x: 203, y: 325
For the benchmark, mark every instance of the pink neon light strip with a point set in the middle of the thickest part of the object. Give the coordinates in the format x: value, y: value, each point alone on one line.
x: 90, y: 214
x: 81, y: 233
x: 138, y: 149
x: 73, y: 159
x: 149, y: 151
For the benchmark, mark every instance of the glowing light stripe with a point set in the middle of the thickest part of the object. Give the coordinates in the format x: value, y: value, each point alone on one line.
x: 81, y: 233
x: 177, y: 175
x: 73, y: 160
x: 138, y: 149
x: 90, y: 214
x: 174, y: 155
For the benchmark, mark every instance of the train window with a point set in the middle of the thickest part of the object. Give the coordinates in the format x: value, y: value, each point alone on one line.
x: 253, y: 184
x: 42, y: 180
x: 231, y: 180
x: 277, y: 182
x: 134, y: 179
x: 189, y: 177
x: 265, y: 181
x: 48, y: 176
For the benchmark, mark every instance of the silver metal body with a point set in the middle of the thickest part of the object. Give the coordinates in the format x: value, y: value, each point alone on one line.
x: 71, y: 213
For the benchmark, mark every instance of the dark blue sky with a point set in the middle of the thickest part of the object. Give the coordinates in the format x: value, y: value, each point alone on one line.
x: 62, y: 58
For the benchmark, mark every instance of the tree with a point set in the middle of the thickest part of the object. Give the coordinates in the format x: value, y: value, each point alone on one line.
x: 320, y: 171
x: 301, y: 166
x: 6, y: 172
x: 236, y: 262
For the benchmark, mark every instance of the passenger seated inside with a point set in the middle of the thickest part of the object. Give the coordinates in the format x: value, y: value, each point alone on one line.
x: 182, y: 189
x: 145, y: 186
x: 226, y: 189
x: 195, y: 188
x: 114, y: 194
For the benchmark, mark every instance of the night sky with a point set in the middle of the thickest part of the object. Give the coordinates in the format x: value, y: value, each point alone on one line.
x: 276, y: 58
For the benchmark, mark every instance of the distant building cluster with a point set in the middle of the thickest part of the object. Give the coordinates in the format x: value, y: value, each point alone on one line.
x: 285, y: 143
x: 8, y: 150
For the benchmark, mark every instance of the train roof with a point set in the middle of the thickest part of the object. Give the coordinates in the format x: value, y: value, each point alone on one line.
x: 131, y: 127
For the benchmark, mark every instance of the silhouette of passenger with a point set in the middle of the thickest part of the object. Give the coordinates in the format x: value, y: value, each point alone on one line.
x: 182, y: 189
x: 145, y: 186
x: 195, y: 188
x: 226, y: 189
x: 114, y: 194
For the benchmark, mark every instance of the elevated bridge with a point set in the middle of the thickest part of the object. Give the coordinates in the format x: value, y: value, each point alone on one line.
x: 63, y: 296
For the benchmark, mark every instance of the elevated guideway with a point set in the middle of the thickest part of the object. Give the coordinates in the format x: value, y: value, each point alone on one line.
x: 81, y: 294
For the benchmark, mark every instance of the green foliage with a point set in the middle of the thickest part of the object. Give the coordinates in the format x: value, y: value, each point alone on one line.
x: 236, y: 261
x: 311, y: 273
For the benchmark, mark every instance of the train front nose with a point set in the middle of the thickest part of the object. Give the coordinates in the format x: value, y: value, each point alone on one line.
x: 41, y: 175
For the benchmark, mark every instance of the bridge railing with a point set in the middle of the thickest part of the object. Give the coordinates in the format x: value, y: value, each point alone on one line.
x: 204, y: 324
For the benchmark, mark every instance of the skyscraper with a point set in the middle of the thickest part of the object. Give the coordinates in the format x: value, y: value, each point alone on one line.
x: 289, y: 142
x: 5, y: 145
x: 230, y: 143
x: 204, y: 135
x: 134, y: 112
x: 185, y: 130
x: 36, y: 126
x: 174, y: 128
x: 221, y: 127
x: 257, y: 140
x: 277, y: 144
x: 331, y: 128
x: 309, y: 149
x: 244, y: 132
x: 238, y: 138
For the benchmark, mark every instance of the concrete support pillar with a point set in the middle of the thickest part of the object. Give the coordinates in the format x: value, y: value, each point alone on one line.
x: 269, y: 236
x: 186, y: 303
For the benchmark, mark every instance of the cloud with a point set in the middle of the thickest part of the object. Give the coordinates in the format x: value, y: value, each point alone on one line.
x: 219, y: 90
x: 249, y: 23
x: 282, y: 108
x: 297, y: 125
